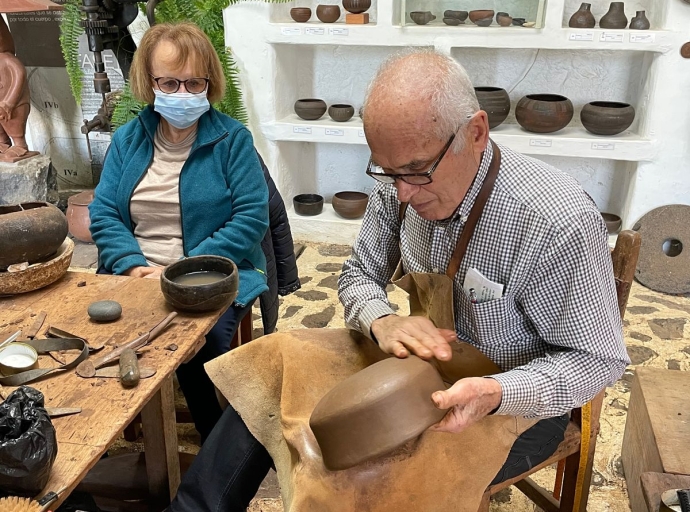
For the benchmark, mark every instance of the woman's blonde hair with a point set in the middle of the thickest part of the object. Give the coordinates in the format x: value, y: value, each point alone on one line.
x: 190, y: 42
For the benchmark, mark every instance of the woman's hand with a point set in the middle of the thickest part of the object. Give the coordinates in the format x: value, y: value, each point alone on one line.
x: 156, y: 274
x: 468, y: 401
x: 401, y: 336
x: 142, y: 271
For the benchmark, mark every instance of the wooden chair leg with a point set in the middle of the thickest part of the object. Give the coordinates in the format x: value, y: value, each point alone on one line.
x: 574, y: 497
x: 484, y: 504
x: 558, y: 485
x: 243, y: 334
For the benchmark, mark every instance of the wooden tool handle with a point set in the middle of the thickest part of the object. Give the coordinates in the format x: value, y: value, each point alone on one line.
x: 129, y: 368
x: 113, y: 355
x: 159, y: 328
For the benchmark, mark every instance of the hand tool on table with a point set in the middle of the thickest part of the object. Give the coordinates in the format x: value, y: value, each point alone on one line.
x: 10, y: 339
x: 32, y: 331
x: 56, y: 412
x: 87, y: 369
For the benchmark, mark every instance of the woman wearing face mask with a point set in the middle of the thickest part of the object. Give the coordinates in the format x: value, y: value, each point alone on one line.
x: 183, y: 180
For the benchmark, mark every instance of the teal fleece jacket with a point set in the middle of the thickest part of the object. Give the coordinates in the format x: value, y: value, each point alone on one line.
x: 223, y: 198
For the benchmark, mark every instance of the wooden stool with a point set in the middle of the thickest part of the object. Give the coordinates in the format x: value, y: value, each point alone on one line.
x: 655, y: 484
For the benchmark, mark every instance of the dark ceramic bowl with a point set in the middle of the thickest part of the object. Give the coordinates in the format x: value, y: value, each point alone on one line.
x: 458, y: 15
x: 350, y: 205
x: 483, y: 17
x: 613, y: 223
x: 300, y: 14
x: 504, y: 19
x: 206, y: 297
x: 422, y: 17
x: 453, y: 22
x: 341, y: 112
x: 607, y: 117
x: 544, y: 113
x: 495, y: 102
x: 310, y: 109
x: 518, y: 22
x: 308, y: 204
x: 328, y: 13
x: 356, y: 6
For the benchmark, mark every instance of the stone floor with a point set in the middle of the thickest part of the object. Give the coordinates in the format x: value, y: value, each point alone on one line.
x: 657, y: 333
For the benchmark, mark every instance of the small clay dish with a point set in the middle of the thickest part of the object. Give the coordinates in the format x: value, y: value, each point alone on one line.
x: 328, y: 13
x: 504, y: 19
x: 482, y: 18
x: 422, y: 17
x: 341, y: 112
x: 350, y: 205
x: 18, y: 357
x: 453, y: 22
x: 202, y: 297
x: 607, y: 117
x: 300, y: 14
x: 310, y: 109
x: 308, y: 204
x: 458, y: 15
x: 613, y: 223
x: 375, y: 411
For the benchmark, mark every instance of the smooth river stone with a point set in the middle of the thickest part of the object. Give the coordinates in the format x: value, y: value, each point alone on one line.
x: 105, y: 310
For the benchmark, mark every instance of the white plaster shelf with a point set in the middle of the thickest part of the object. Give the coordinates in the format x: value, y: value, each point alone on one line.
x: 570, y: 141
x: 327, y: 227
x: 469, y: 35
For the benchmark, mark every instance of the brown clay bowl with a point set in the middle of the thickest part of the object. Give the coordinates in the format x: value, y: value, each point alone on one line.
x: 308, y: 204
x: 356, y: 6
x: 613, y: 223
x: 544, y: 113
x: 341, y: 112
x: 458, y: 15
x: 504, y: 19
x: 78, y: 220
x: 310, y: 109
x: 375, y: 411
x: 205, y: 297
x: 328, y: 13
x: 482, y: 17
x: 607, y: 117
x: 495, y: 102
x: 453, y: 22
x: 422, y: 17
x: 349, y: 204
x: 300, y: 14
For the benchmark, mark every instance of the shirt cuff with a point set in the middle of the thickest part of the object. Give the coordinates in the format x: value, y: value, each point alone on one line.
x: 519, y: 393
x: 373, y: 310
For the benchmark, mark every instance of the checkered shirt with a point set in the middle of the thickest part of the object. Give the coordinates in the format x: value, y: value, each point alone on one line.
x: 556, y: 333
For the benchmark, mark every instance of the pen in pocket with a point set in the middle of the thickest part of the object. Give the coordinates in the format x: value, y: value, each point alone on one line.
x: 473, y: 296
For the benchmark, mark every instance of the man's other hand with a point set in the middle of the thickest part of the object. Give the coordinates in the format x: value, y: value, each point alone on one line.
x: 402, y: 336
x: 469, y: 400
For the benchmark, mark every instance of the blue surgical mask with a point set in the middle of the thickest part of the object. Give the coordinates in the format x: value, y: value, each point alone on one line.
x: 181, y: 109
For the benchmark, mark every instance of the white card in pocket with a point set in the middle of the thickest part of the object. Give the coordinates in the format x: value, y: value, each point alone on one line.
x: 479, y: 289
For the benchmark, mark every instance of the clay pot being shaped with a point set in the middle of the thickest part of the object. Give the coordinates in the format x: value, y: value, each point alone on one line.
x: 583, y: 17
x: 495, y: 102
x: 482, y: 18
x: 300, y: 14
x: 504, y: 19
x: 422, y: 17
x: 615, y: 18
x: 328, y: 13
x: 307, y: 204
x: 341, y: 112
x: 640, y: 21
x: 78, y: 220
x: 375, y: 411
x: 613, y: 223
x: 356, y: 6
x: 30, y: 232
x: 310, y: 109
x: 544, y: 113
x: 350, y: 205
x: 607, y: 117
x: 200, y: 297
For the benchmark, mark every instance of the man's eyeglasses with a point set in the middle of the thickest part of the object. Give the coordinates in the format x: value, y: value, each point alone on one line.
x: 419, y: 178
x: 169, y: 85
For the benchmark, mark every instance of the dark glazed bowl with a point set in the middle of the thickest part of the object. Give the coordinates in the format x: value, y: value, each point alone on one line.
x: 613, y: 223
x: 308, y: 204
x: 328, y: 13
x: 544, y: 113
x: 483, y: 17
x: 310, y: 109
x: 422, y: 17
x: 206, y: 297
x: 607, y: 117
x: 458, y: 15
x: 453, y: 22
x: 341, y: 112
x: 300, y: 14
x: 495, y: 102
x: 350, y: 205
x: 356, y: 6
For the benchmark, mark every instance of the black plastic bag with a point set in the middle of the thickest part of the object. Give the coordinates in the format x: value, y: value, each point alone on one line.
x: 28, y: 445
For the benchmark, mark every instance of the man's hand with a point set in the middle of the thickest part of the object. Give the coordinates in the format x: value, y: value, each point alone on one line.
x: 469, y: 400
x: 140, y: 271
x: 401, y: 336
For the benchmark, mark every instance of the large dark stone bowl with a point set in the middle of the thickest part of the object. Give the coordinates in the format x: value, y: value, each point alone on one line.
x: 495, y: 102
x: 544, y: 113
x: 607, y: 117
x: 206, y: 297
x: 308, y: 204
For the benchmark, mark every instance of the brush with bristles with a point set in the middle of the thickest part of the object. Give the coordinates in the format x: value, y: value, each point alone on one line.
x: 15, y: 504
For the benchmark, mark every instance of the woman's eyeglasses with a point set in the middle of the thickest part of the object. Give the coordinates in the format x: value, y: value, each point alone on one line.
x: 169, y: 85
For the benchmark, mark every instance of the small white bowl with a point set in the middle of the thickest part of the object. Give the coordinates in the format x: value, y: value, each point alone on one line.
x: 18, y: 357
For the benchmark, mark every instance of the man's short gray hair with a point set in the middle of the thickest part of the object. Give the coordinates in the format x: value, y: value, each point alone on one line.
x: 427, y: 74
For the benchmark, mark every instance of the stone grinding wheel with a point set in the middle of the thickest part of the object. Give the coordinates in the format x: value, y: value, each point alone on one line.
x: 14, y: 504
x: 664, y: 262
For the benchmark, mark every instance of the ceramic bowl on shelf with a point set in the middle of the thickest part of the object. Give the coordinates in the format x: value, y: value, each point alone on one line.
x: 495, y: 102
x: 453, y: 22
x: 482, y: 17
x: 341, y: 112
x: 613, y: 222
x: 349, y: 204
x: 300, y: 14
x: 504, y: 19
x: 544, y: 113
x: 458, y: 15
x: 308, y: 204
x: 328, y: 13
x: 607, y: 117
x: 310, y: 109
x: 518, y: 22
x: 422, y: 17
x: 356, y: 6
x: 205, y: 296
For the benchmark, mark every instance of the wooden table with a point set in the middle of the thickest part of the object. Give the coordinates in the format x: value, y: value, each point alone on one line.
x: 107, y: 407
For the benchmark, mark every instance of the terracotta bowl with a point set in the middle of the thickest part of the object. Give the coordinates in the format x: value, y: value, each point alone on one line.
x: 328, y: 13
x: 544, y: 113
x: 350, y: 205
x: 613, y: 223
x: 77, y: 214
x: 206, y: 297
x: 607, y: 117
x: 483, y: 17
x: 308, y: 204
x: 310, y: 109
x: 458, y: 15
x: 341, y: 112
x: 356, y: 6
x: 376, y: 411
x: 300, y: 14
x: 422, y: 17
x: 39, y: 274
x: 495, y: 102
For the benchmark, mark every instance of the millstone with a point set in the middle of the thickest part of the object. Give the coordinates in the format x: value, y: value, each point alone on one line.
x: 105, y: 310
